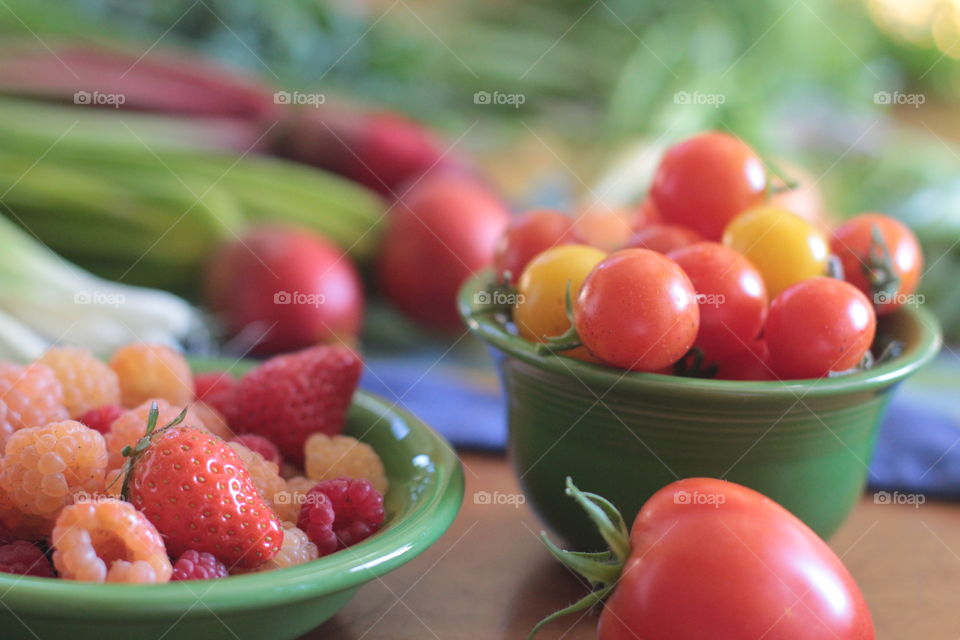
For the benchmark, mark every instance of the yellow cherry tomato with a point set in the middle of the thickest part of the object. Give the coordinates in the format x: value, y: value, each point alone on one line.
x: 784, y: 247
x: 540, y: 311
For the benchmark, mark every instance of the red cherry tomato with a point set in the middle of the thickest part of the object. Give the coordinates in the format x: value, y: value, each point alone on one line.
x: 664, y: 238
x: 604, y: 227
x: 703, y: 182
x: 751, y: 363
x: 852, y: 243
x: 732, y: 298
x: 818, y: 326
x: 647, y: 214
x: 528, y: 236
x: 443, y: 231
x: 714, y: 559
x: 637, y: 310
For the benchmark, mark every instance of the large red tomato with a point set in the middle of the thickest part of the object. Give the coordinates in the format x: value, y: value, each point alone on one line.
x: 286, y: 289
x: 714, y: 559
x: 706, y: 180
x: 440, y: 233
x: 710, y: 559
x: 637, y: 310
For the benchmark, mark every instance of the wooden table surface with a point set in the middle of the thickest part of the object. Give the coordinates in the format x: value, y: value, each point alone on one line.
x: 489, y: 577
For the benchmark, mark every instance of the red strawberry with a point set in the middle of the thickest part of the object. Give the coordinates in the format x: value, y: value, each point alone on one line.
x: 197, y: 493
x: 215, y: 389
x: 289, y: 397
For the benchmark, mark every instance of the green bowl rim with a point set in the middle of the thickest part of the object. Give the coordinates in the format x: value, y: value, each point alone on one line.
x: 403, y: 540
x: 483, y: 323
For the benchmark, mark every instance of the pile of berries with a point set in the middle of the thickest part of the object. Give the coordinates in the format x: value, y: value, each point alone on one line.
x: 139, y: 471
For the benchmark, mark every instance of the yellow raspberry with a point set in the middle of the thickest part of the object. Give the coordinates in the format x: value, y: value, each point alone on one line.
x: 295, y: 549
x: 127, y: 429
x: 212, y: 420
x: 87, y: 381
x: 266, y: 477
x: 152, y: 371
x: 108, y: 541
x: 32, y: 397
x: 45, y: 467
x: 297, y: 489
x: 333, y: 457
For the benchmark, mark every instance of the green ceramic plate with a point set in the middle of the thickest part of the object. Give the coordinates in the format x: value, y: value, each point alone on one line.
x: 804, y: 443
x: 426, y: 488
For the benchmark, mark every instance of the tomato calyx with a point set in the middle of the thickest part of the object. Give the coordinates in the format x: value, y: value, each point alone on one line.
x: 569, y: 339
x: 878, y: 267
x: 496, y: 297
x: 785, y: 183
x: 694, y: 365
x: 602, y: 568
x: 891, y: 349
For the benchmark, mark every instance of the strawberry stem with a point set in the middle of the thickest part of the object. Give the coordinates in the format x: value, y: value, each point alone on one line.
x: 132, y: 454
x: 601, y: 569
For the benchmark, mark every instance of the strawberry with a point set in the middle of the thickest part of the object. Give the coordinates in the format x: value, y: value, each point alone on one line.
x: 215, y: 389
x: 197, y: 493
x: 290, y: 397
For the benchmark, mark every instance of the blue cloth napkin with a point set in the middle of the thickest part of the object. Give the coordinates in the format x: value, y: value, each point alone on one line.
x: 457, y: 392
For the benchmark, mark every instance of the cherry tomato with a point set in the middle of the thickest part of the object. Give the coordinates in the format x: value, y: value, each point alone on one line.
x: 443, y: 231
x: 751, y: 363
x: 818, y: 326
x: 714, y: 559
x: 604, y: 227
x: 732, y: 298
x: 541, y: 308
x: 528, y: 235
x: 805, y: 199
x: 706, y: 180
x: 784, y: 247
x: 637, y: 310
x: 664, y: 238
x: 647, y: 214
x: 852, y: 243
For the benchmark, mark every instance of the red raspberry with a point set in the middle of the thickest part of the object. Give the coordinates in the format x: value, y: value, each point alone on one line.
x: 25, y: 559
x: 6, y: 536
x: 198, y: 565
x: 261, y: 445
x: 357, y: 507
x: 215, y: 389
x: 316, y: 520
x: 101, y: 417
x: 289, y: 397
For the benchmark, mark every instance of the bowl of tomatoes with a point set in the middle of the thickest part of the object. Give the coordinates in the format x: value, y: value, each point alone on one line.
x: 731, y: 338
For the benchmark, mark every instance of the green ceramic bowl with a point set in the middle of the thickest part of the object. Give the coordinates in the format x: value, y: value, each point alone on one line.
x: 804, y: 443
x: 426, y: 488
